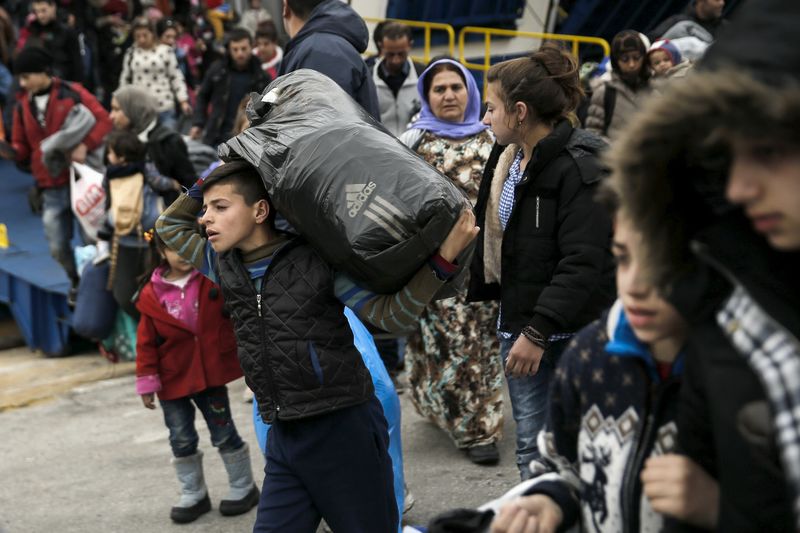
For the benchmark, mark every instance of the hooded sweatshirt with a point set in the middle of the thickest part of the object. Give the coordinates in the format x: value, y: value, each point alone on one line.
x: 331, y: 42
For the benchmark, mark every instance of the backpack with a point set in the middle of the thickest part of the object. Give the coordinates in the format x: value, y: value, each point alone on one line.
x: 134, y: 208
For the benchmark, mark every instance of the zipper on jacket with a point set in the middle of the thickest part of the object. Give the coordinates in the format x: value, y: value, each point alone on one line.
x: 631, y: 484
x: 537, y: 212
x: 268, y: 370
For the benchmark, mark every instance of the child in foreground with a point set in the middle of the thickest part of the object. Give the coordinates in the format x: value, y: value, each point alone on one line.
x: 327, y: 448
x: 186, y: 353
x: 609, y: 460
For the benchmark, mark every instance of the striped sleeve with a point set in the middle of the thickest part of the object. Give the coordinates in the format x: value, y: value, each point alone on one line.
x: 177, y: 227
x: 395, y: 313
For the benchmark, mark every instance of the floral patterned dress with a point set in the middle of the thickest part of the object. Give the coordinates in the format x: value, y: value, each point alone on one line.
x: 453, y: 358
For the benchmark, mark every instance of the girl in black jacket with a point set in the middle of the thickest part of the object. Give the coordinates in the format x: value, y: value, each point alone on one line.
x: 544, y: 251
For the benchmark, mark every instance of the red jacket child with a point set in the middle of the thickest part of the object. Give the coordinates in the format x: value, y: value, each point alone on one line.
x: 184, y: 344
x: 27, y: 133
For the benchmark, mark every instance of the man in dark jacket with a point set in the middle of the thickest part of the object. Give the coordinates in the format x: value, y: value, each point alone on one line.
x: 329, y: 37
x: 61, y: 41
x: 706, y: 13
x: 225, y: 84
x: 721, y: 153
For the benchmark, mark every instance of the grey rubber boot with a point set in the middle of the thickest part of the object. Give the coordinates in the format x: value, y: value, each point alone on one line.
x: 194, y: 500
x: 243, y: 494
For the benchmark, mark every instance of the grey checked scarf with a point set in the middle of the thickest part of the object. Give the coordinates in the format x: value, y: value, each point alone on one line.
x: 774, y: 355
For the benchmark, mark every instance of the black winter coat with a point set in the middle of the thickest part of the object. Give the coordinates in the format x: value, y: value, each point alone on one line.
x: 331, y: 42
x: 295, y: 344
x: 725, y: 421
x: 168, y: 152
x: 212, y: 98
x: 556, y: 267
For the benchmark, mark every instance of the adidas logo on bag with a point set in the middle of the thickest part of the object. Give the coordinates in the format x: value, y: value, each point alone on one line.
x: 379, y: 211
x: 357, y: 195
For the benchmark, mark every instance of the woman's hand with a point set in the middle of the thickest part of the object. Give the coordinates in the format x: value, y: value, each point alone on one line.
x: 149, y: 400
x: 529, y: 514
x: 463, y: 232
x: 677, y: 486
x: 523, y: 358
x: 186, y: 109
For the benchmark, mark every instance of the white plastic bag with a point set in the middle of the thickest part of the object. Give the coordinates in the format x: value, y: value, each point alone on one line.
x: 87, y: 197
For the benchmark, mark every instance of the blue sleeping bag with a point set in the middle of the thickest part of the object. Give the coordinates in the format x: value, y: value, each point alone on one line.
x: 386, y: 394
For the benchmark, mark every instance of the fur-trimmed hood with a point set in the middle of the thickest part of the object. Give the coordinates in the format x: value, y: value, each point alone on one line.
x: 670, y: 165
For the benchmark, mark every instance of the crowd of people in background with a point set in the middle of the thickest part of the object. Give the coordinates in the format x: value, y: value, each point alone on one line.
x: 634, y: 278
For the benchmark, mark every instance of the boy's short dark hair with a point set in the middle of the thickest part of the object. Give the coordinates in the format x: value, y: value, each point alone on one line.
x: 236, y: 35
x: 245, y: 180
x: 267, y: 30
x: 126, y: 145
x: 303, y: 8
x: 396, y: 30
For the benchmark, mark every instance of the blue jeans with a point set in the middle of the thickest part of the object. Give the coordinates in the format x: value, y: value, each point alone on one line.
x: 213, y: 404
x: 529, y: 395
x: 57, y: 222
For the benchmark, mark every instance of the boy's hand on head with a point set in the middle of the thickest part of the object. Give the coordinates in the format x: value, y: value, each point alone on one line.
x: 79, y: 153
x: 529, y: 514
x: 677, y: 486
x: 149, y: 400
x: 523, y: 358
x: 463, y: 232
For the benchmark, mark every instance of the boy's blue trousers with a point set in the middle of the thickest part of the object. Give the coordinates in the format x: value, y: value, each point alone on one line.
x: 334, y: 466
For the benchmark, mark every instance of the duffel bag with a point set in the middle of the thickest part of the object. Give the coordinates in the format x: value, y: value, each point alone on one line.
x: 369, y: 205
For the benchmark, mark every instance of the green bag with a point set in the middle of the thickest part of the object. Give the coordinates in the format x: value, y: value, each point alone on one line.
x: 120, y: 345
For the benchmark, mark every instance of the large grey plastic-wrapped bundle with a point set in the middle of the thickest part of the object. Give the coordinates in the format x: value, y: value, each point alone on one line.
x: 368, y: 204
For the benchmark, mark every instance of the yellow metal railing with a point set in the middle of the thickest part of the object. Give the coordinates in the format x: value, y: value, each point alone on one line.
x: 428, y: 27
x: 488, y: 33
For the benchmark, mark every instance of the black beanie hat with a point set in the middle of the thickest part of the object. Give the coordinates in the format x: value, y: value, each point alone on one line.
x: 32, y: 59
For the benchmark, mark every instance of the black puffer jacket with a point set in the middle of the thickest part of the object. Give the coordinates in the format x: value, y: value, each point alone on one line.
x: 331, y: 42
x: 556, y: 265
x: 215, y: 91
x: 295, y: 344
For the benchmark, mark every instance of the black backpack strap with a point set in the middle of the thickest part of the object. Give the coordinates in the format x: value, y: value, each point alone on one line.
x: 609, y: 101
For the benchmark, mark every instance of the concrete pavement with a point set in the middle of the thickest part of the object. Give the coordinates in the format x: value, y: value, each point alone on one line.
x: 92, y: 459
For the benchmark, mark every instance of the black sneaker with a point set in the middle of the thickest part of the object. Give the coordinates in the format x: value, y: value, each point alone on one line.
x: 484, y: 454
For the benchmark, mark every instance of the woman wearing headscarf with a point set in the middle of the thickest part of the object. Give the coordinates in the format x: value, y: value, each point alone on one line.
x: 620, y: 92
x: 135, y: 109
x: 153, y: 66
x: 455, y: 374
